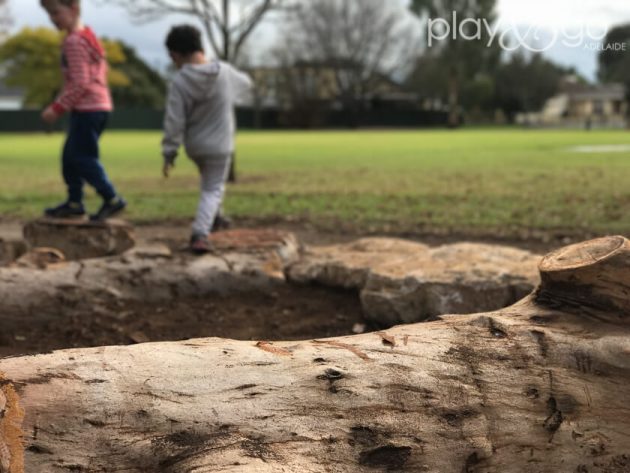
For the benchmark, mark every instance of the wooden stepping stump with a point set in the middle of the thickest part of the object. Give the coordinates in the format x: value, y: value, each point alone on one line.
x: 542, y: 386
x: 258, y: 250
x: 80, y: 239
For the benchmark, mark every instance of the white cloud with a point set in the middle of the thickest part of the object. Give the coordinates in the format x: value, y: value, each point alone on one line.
x: 565, y: 13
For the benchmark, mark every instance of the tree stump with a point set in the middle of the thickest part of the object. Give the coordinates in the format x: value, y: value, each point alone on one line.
x: 542, y: 386
x: 80, y: 239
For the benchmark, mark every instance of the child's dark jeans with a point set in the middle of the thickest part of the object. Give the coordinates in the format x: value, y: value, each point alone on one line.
x: 81, y: 156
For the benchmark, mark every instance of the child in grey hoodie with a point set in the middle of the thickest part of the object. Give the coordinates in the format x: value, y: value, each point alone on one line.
x: 200, y: 113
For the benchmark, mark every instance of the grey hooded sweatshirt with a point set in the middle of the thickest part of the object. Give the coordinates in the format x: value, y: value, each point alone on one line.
x: 200, y: 109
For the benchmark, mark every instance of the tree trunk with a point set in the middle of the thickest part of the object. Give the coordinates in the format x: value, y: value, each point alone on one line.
x: 542, y: 386
x: 232, y: 174
x: 453, y: 98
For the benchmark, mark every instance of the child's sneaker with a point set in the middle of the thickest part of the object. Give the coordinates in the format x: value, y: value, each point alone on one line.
x: 66, y: 210
x: 221, y: 222
x: 109, y: 209
x: 200, y: 245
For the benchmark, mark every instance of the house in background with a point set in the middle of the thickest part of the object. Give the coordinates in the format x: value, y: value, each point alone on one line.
x: 10, y: 98
x: 316, y: 82
x: 583, y: 105
x: 308, y: 94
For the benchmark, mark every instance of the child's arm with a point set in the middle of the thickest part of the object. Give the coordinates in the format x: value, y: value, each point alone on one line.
x: 241, y: 82
x: 78, y: 59
x: 174, y: 126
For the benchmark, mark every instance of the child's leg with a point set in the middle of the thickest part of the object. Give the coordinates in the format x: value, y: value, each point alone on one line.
x: 73, y: 206
x: 213, y: 170
x: 70, y: 167
x: 90, y: 126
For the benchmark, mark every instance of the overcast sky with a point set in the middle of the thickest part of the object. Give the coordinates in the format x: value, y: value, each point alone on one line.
x: 552, y: 17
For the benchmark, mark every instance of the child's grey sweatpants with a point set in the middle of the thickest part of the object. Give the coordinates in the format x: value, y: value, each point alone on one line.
x: 213, y: 171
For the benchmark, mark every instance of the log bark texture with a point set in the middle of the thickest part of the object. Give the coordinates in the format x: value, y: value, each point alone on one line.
x: 542, y: 386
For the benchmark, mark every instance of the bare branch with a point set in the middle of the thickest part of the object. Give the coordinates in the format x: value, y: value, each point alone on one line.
x: 357, y: 42
x: 227, y: 36
x: 249, y: 24
x: 6, y: 20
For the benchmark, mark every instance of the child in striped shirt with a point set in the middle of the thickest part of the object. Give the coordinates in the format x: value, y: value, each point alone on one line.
x: 85, y: 95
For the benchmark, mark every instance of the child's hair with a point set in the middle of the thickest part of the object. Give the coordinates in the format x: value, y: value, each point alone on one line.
x: 184, y: 40
x: 50, y: 3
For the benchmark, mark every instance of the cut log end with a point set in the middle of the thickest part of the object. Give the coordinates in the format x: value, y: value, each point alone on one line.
x: 592, y: 278
x: 583, y: 254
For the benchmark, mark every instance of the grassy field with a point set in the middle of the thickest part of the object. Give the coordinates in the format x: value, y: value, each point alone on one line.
x: 482, y: 181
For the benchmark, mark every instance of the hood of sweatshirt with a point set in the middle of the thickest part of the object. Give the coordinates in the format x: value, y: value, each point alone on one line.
x: 199, y: 79
x: 97, y: 52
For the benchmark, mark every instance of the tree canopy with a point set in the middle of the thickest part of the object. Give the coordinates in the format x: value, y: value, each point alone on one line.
x: 458, y: 60
x: 614, y: 65
x: 146, y: 87
x: 31, y: 58
x: 31, y: 61
x: 356, y: 44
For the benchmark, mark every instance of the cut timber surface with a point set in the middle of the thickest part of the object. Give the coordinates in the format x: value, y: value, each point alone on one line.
x: 80, y: 239
x: 542, y: 386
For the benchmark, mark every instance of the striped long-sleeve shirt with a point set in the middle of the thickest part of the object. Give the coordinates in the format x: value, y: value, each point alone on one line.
x: 85, y: 75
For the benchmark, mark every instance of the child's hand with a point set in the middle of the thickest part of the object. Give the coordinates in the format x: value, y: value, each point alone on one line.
x: 166, y: 169
x: 50, y: 116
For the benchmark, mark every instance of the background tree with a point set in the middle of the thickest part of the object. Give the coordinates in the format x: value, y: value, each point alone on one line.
x: 355, y: 43
x: 31, y: 59
x: 6, y: 19
x: 146, y: 87
x: 228, y: 23
x: 614, y: 66
x: 524, y: 84
x: 460, y: 58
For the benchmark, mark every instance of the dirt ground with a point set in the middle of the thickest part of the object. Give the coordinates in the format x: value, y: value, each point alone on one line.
x: 283, y: 313
x: 540, y: 242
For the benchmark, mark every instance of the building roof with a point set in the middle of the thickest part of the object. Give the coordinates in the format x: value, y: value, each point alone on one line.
x: 10, y: 91
x: 599, y: 92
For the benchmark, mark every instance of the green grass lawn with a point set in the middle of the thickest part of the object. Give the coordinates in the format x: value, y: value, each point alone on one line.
x: 467, y: 181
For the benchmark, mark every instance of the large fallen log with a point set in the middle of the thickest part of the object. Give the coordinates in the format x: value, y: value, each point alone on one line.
x: 542, y: 386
